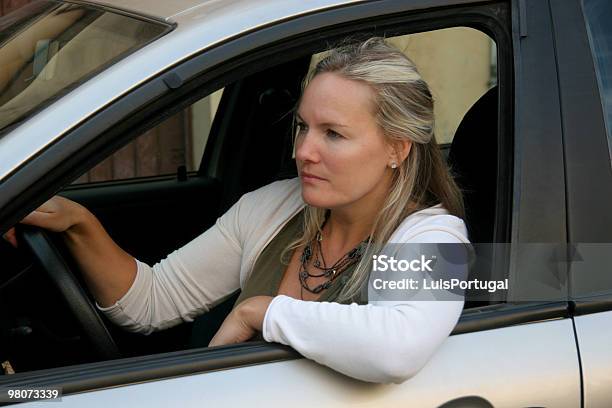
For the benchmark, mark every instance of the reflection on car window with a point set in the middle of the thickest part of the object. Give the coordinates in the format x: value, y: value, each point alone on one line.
x: 48, y: 47
x: 598, y: 14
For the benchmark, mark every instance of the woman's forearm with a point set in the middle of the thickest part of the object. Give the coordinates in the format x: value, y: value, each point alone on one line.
x: 375, y: 343
x: 108, y: 270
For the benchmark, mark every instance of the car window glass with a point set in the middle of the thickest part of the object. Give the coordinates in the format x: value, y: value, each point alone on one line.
x: 459, y: 64
x: 598, y: 14
x: 177, y: 141
x: 47, y: 48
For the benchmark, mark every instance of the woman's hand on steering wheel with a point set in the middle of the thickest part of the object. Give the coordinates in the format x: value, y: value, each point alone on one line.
x: 58, y: 214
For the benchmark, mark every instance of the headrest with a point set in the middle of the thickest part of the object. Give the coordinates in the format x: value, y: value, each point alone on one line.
x: 473, y: 162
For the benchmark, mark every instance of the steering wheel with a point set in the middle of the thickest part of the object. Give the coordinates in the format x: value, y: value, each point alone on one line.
x: 47, y: 255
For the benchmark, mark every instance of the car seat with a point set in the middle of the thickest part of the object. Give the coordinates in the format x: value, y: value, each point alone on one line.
x: 473, y: 161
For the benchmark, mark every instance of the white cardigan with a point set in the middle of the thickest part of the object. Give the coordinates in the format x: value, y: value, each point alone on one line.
x: 378, y: 342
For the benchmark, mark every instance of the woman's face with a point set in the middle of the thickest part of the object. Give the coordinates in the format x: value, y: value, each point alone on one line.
x: 342, y: 156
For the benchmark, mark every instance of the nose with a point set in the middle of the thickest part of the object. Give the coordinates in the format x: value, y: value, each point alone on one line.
x: 306, y: 149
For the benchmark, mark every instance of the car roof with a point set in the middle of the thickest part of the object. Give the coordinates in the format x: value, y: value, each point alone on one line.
x: 183, y: 11
x: 199, y: 25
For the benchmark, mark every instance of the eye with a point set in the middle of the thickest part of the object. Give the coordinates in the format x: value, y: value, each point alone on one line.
x: 300, y: 127
x: 333, y: 134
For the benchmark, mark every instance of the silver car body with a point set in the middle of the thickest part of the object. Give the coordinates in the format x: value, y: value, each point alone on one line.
x: 535, y: 364
x: 522, y: 366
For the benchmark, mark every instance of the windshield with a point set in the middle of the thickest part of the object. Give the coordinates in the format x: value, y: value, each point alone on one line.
x: 49, y: 47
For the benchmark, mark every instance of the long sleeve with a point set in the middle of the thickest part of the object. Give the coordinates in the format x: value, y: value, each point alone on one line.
x: 382, y: 341
x: 187, y: 283
x: 201, y: 274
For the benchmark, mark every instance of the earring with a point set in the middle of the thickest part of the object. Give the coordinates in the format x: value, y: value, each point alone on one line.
x: 394, y: 165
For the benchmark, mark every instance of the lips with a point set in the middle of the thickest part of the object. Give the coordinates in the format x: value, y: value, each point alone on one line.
x: 310, y: 177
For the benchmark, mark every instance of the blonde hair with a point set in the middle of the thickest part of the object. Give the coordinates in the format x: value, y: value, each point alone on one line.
x: 404, y: 110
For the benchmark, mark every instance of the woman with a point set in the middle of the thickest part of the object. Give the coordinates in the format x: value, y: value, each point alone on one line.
x: 370, y: 173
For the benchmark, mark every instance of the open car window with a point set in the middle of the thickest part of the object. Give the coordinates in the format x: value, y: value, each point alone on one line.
x: 260, y: 152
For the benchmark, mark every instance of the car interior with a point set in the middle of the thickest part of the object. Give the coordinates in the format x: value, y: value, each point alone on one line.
x: 150, y: 217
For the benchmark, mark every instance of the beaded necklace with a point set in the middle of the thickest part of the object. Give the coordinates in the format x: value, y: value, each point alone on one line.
x: 332, y: 272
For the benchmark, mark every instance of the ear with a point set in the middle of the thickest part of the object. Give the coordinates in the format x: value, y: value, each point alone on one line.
x: 399, y: 150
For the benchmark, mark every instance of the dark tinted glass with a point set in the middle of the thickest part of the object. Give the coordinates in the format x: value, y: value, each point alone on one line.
x: 598, y: 14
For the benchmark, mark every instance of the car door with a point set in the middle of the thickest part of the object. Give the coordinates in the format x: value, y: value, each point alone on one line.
x: 518, y: 350
x: 584, y: 40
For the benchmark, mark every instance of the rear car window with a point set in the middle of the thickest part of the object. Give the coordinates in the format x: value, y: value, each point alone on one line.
x: 598, y: 15
x: 49, y: 47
